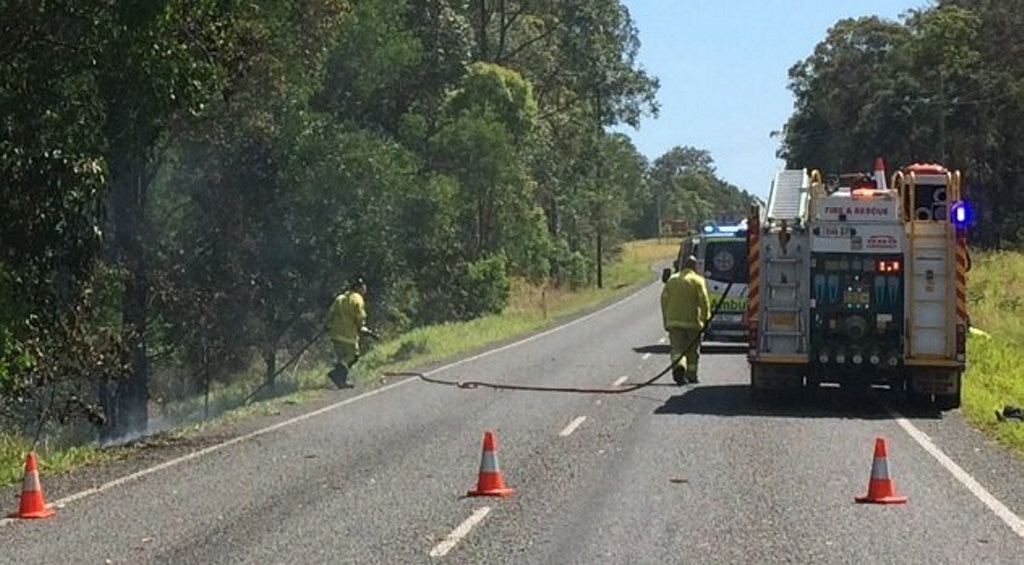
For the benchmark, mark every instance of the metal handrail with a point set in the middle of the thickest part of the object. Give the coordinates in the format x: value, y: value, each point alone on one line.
x: 897, y: 185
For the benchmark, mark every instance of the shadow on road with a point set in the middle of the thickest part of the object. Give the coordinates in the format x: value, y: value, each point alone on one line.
x: 825, y: 402
x: 655, y: 349
x: 709, y: 348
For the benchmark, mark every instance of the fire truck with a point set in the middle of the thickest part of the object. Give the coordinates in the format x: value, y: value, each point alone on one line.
x: 860, y: 282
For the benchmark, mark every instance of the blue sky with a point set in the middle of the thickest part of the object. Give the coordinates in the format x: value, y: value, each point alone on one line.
x: 723, y: 69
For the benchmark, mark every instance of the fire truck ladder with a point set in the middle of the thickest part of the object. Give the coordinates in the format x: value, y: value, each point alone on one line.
x: 783, y: 328
x: 789, y: 197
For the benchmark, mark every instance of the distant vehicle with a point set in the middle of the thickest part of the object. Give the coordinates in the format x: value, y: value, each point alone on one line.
x: 721, y: 251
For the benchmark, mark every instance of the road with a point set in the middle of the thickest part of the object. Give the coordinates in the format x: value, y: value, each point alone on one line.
x: 660, y: 475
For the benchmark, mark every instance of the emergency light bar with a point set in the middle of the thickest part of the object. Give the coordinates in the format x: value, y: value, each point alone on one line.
x: 712, y: 227
x: 960, y: 213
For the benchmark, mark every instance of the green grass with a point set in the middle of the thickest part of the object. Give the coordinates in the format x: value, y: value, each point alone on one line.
x: 531, y: 308
x: 14, y: 450
x: 995, y: 374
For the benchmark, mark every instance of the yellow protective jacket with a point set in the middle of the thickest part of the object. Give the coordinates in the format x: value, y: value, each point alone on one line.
x: 346, y: 316
x: 685, y: 304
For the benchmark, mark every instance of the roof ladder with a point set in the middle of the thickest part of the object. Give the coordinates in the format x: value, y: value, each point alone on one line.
x: 788, y: 199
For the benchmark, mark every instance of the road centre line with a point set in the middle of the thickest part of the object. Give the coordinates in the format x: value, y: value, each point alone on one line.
x: 620, y: 380
x: 463, y: 529
x: 998, y: 508
x: 60, y: 503
x: 572, y: 426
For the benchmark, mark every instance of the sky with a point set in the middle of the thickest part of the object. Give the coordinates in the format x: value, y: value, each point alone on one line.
x: 723, y: 67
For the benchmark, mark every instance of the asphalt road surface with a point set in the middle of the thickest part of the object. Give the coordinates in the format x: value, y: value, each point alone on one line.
x: 660, y: 475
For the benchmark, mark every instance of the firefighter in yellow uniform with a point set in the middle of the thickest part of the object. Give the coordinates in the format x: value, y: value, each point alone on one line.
x: 346, y: 322
x: 685, y: 311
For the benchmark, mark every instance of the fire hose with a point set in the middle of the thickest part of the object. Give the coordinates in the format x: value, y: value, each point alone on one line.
x: 577, y: 390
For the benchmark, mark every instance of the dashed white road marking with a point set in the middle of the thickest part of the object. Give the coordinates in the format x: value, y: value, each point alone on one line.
x: 309, y: 415
x: 572, y: 426
x: 620, y: 380
x: 646, y: 356
x: 463, y: 529
x: 663, y: 340
x: 998, y: 508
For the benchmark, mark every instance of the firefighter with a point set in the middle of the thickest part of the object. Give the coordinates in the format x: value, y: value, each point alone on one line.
x: 346, y: 323
x: 685, y: 311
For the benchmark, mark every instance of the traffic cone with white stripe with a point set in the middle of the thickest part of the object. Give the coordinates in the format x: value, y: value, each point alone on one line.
x: 490, y: 481
x: 881, y: 488
x: 32, y: 504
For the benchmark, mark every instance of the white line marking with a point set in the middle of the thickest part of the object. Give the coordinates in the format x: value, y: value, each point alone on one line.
x: 646, y: 356
x: 663, y: 340
x: 998, y: 508
x: 620, y: 380
x: 309, y: 415
x: 442, y: 549
x: 572, y: 426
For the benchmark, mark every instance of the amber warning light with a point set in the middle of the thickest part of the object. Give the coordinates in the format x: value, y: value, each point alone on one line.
x: 887, y: 266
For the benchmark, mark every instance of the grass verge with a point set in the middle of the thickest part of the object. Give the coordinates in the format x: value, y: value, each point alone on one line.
x: 995, y: 374
x: 531, y: 308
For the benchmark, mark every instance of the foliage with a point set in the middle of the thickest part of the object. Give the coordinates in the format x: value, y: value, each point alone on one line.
x: 188, y: 184
x: 944, y: 84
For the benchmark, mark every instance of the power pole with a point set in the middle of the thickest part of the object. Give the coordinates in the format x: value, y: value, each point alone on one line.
x: 657, y: 212
x: 942, y: 118
x: 597, y: 191
x: 600, y: 251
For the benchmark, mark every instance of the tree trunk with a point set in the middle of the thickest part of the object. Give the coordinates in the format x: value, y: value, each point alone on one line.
x: 128, y: 404
x: 483, y: 49
x: 270, y: 362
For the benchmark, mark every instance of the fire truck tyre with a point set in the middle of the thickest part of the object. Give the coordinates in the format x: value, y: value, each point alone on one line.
x: 915, y: 399
x: 758, y: 393
x: 947, y: 402
x: 813, y: 382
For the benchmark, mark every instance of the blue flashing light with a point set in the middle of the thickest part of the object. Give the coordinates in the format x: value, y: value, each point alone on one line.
x: 961, y: 214
x: 713, y: 228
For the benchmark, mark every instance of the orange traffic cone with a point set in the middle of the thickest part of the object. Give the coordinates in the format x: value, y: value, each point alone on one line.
x: 490, y: 482
x: 32, y: 503
x: 881, y: 488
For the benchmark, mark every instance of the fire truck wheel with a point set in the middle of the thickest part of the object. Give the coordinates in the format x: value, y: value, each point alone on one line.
x: 947, y: 402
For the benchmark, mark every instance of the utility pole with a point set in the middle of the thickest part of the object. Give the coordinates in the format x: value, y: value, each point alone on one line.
x: 598, y: 190
x: 657, y: 212
x: 942, y: 117
x: 600, y: 251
